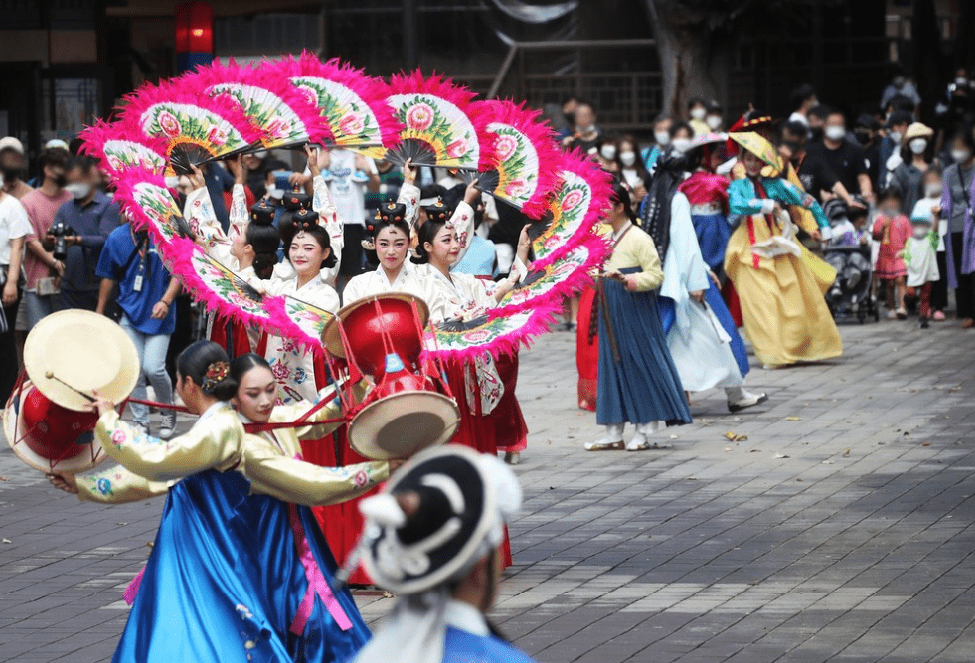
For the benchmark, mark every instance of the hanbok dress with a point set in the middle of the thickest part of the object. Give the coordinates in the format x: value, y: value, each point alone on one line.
x: 638, y: 381
x: 699, y: 344
x: 239, y: 571
x: 784, y: 311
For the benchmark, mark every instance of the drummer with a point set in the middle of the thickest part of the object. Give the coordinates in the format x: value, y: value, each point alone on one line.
x: 433, y: 539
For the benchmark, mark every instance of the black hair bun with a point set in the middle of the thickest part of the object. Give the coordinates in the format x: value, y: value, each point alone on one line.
x: 296, y: 199
x: 262, y: 214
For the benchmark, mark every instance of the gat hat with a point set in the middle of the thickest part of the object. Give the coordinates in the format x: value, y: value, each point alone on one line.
x: 441, y: 513
x: 11, y: 143
x: 296, y: 199
x: 262, y: 213
x: 918, y: 130
x: 79, y: 349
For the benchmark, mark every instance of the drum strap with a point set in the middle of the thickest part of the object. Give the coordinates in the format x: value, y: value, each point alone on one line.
x: 256, y: 428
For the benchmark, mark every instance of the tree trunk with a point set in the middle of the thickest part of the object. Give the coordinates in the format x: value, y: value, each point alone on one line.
x: 684, y: 41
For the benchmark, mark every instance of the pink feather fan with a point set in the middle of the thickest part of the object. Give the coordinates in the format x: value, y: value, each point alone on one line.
x: 442, y: 126
x: 280, y: 113
x: 351, y: 104
x: 526, y: 170
x: 121, y: 148
x: 194, y: 127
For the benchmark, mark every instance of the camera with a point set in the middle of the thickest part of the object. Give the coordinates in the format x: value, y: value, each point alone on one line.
x: 61, y: 231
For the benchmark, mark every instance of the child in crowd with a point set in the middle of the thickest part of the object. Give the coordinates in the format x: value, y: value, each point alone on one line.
x: 930, y: 206
x: 849, y: 226
x: 892, y: 229
x: 922, y: 263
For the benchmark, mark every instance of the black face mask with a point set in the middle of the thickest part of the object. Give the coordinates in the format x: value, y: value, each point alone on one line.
x: 10, y: 173
x: 61, y: 180
x: 570, y: 119
x: 863, y: 137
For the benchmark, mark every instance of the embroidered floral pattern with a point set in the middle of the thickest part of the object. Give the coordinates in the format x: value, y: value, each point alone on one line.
x: 441, y: 125
x: 103, y: 486
x: 361, y: 479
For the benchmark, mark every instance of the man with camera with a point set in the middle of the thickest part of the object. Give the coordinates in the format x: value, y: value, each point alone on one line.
x: 43, y: 268
x: 80, y: 228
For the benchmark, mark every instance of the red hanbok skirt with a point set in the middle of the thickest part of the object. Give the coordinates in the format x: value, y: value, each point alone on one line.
x: 587, y: 353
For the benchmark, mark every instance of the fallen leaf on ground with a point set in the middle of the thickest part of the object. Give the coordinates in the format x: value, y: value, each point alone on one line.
x: 736, y: 437
x: 780, y: 456
x: 846, y: 453
x: 925, y: 444
x: 793, y: 419
x: 828, y: 462
x: 7, y: 541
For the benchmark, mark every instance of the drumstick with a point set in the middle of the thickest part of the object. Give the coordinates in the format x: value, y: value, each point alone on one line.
x: 51, y: 376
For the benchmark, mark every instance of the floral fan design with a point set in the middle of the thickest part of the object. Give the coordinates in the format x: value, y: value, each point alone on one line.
x: 546, y: 286
x: 194, y: 128
x: 526, y: 170
x: 579, y: 203
x: 145, y: 197
x: 352, y: 104
x: 119, y: 152
x: 442, y: 126
x: 282, y: 115
x: 467, y: 339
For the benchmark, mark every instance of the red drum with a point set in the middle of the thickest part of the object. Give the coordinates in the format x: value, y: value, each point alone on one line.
x: 409, y: 406
x: 48, y: 437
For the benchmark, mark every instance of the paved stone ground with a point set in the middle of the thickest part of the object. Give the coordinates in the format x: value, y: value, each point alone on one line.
x: 841, y: 529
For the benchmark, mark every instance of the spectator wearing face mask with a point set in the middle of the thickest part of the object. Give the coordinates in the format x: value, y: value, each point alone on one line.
x: 715, y: 117
x: 817, y: 122
x: 955, y: 208
x: 867, y: 131
x: 631, y: 169
x: 42, y: 268
x: 846, y: 160
x: 803, y: 99
x: 605, y: 154
x: 12, y: 166
x: 697, y: 112
x: 569, y: 116
x: 815, y: 176
x: 890, y: 146
x: 915, y: 160
x: 586, y: 135
x: 900, y: 85
x: 681, y: 137
x: 92, y: 217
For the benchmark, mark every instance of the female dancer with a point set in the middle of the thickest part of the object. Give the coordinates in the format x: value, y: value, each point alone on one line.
x: 637, y: 378
x: 784, y: 312
x: 223, y: 558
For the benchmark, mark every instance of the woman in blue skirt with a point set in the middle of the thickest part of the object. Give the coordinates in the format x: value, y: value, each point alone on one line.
x: 637, y: 378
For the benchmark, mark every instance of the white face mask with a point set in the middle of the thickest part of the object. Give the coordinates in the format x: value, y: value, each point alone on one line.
x: 961, y: 81
x: 681, y: 145
x: 628, y: 158
x: 932, y: 190
x: 920, y: 232
x: 960, y: 156
x: 608, y: 151
x: 586, y: 130
x: 698, y: 113
x: 835, y: 132
x: 274, y: 192
x: 714, y: 121
x: 896, y: 136
x: 918, y: 145
x: 662, y: 137
x: 79, y: 190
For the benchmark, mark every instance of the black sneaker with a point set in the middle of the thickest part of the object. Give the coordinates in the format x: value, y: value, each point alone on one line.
x: 924, y: 322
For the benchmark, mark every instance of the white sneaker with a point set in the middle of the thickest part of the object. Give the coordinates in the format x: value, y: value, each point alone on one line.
x: 613, y: 439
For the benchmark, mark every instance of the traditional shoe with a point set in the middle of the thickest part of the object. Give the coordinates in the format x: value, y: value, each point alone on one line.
x: 901, y: 313
x: 613, y: 439
x: 604, y: 445
x: 512, y: 458
x: 924, y: 322
x: 747, y: 400
x: 639, y: 442
x: 938, y: 316
x: 891, y: 315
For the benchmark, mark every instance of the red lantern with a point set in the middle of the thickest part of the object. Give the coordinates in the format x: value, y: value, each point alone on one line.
x: 194, y: 34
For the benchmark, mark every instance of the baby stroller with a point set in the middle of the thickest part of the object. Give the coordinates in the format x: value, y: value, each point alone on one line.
x: 849, y: 254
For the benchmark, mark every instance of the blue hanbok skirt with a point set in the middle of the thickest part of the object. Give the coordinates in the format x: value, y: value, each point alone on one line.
x: 643, y: 385
x: 713, y: 233
x: 226, y: 582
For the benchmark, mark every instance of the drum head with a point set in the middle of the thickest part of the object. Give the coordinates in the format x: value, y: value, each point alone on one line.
x: 86, y: 451
x: 400, y: 425
x: 86, y: 350
x: 331, y: 337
